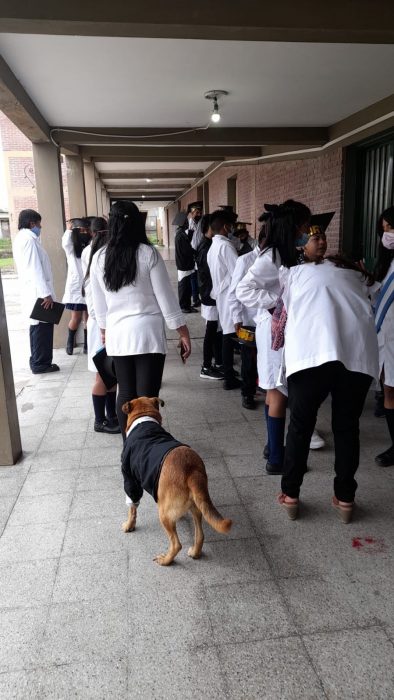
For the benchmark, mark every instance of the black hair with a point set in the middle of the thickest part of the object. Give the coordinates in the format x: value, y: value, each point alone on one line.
x: 205, y: 223
x: 220, y: 218
x: 99, y: 241
x: 98, y: 224
x: 342, y: 261
x: 385, y: 256
x: 79, y: 238
x: 27, y: 217
x: 126, y: 233
x: 282, y: 228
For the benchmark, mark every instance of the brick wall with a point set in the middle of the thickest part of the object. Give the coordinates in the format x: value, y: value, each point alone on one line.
x: 316, y: 181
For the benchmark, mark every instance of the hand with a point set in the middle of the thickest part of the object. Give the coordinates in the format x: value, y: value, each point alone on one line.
x: 47, y: 302
x: 361, y: 265
x: 102, y: 331
x: 184, y: 338
x: 237, y: 326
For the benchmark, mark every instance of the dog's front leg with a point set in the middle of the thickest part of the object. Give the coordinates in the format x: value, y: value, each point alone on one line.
x: 129, y: 524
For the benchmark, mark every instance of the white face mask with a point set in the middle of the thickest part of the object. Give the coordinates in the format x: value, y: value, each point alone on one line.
x: 388, y: 240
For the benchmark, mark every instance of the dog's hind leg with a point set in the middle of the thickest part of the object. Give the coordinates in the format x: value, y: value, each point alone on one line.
x: 175, y: 545
x: 195, y: 550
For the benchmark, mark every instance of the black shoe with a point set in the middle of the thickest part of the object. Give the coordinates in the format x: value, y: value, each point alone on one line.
x: 189, y: 311
x: 274, y: 469
x: 210, y: 373
x: 386, y: 459
x: 249, y: 402
x: 197, y: 303
x: 51, y: 368
x: 106, y: 427
x: 233, y: 383
x: 112, y: 421
x: 266, y: 452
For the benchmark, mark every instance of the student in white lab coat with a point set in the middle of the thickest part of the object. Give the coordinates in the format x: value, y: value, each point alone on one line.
x: 384, y: 312
x: 133, y: 300
x: 330, y: 348
x: 36, y: 281
x: 222, y: 258
x: 286, y: 230
x: 75, y: 238
x: 104, y: 401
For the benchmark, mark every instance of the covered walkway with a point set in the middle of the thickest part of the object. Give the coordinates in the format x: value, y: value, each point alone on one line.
x: 274, y: 610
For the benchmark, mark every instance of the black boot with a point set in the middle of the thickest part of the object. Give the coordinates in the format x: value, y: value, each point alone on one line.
x: 85, y: 342
x: 70, y: 342
x: 386, y: 459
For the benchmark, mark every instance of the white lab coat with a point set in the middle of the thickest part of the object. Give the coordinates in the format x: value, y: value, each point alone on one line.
x: 134, y: 317
x: 73, y: 289
x: 92, y: 327
x: 386, y: 337
x: 222, y: 259
x: 34, y: 271
x: 329, y: 318
x: 242, y: 314
x: 259, y: 291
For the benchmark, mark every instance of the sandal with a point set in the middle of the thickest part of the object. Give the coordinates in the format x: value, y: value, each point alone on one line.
x: 344, y: 510
x: 290, y: 508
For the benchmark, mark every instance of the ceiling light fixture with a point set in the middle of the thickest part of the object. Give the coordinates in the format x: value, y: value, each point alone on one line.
x: 214, y: 95
x: 147, y: 179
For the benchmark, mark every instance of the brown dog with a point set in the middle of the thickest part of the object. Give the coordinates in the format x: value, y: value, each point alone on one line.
x: 182, y: 486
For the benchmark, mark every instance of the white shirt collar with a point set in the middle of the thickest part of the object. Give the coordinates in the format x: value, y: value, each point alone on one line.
x: 143, y: 419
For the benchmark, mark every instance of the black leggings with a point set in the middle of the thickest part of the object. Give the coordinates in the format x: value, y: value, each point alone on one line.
x: 137, y: 375
x: 213, y: 342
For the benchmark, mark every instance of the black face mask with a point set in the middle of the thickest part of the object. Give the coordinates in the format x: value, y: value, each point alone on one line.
x: 197, y: 219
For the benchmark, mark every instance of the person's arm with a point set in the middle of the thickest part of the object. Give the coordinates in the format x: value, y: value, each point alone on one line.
x: 235, y: 305
x: 167, y: 301
x: 257, y: 289
x: 98, y: 290
x: 33, y: 264
x: 67, y: 243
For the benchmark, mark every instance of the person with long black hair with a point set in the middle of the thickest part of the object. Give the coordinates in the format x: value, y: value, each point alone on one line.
x: 384, y: 319
x: 104, y: 401
x: 75, y: 238
x: 286, y: 230
x: 133, y: 300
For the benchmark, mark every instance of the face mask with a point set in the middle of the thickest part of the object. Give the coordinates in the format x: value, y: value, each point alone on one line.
x: 388, y: 240
x: 303, y: 240
x: 36, y: 230
x: 197, y: 219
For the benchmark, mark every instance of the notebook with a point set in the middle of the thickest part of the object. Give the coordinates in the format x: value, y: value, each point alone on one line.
x: 52, y: 315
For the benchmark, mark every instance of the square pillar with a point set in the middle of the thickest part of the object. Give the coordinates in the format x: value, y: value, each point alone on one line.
x: 104, y: 200
x: 76, y: 186
x: 89, y: 172
x: 10, y: 438
x: 99, y: 198
x: 51, y: 208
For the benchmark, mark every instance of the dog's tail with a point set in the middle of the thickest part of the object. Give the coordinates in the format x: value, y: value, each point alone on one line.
x: 201, y: 497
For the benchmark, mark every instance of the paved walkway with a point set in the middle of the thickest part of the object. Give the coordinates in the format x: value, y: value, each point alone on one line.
x: 274, y: 610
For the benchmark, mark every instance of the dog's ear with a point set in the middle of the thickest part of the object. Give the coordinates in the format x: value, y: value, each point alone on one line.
x: 127, y: 407
x: 157, y: 402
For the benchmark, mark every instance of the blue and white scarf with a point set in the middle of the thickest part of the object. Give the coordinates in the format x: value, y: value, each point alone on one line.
x: 384, y: 301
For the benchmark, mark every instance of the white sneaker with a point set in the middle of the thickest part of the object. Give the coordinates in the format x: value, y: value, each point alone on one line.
x: 317, y: 441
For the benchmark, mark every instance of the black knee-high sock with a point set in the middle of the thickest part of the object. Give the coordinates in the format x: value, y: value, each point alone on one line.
x: 110, y: 404
x: 390, y: 422
x: 99, y: 407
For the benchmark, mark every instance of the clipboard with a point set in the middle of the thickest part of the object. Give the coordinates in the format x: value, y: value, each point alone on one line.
x: 52, y: 315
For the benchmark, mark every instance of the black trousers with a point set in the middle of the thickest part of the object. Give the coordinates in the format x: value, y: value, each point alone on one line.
x: 137, y: 375
x: 41, y: 346
x: 307, y: 391
x: 212, y: 346
x: 248, y: 368
x: 194, y: 284
x: 185, y: 292
x: 228, y: 356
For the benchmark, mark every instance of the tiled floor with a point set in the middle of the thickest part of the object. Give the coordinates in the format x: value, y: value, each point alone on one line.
x: 276, y: 609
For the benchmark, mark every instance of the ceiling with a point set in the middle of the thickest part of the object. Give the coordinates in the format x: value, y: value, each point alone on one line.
x: 135, y: 82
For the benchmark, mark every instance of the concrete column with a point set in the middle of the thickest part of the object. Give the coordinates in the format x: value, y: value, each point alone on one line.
x: 51, y: 207
x: 90, y: 188
x: 104, y: 200
x: 76, y: 186
x: 10, y: 439
x: 108, y: 202
x: 98, y: 197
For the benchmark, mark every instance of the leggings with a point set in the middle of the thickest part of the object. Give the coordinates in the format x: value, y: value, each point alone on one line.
x: 138, y: 375
x: 213, y: 342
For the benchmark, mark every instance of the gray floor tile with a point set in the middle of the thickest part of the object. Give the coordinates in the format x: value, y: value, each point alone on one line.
x: 223, y: 491
x: 67, y: 442
x: 108, y: 503
x: 95, y: 535
x: 91, y: 577
x: 91, y: 631
x: 179, y: 675
x: 100, y: 457
x: 241, y: 527
x: 30, y: 542
x: 242, y: 612
x: 276, y: 669
x: 7, y: 504
x: 216, y: 468
x: 50, y: 508
x: 248, y: 464
x: 21, y: 633
x: 232, y: 561
x: 24, y: 584
x: 54, y: 461
x: 102, y: 478
x: 354, y: 664
x: 49, y: 483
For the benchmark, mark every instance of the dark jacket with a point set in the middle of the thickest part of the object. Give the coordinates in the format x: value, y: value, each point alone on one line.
x: 143, y: 454
x: 184, y: 253
x: 204, y: 275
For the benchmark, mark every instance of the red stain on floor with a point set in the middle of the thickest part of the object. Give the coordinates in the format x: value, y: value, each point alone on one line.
x: 369, y: 545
